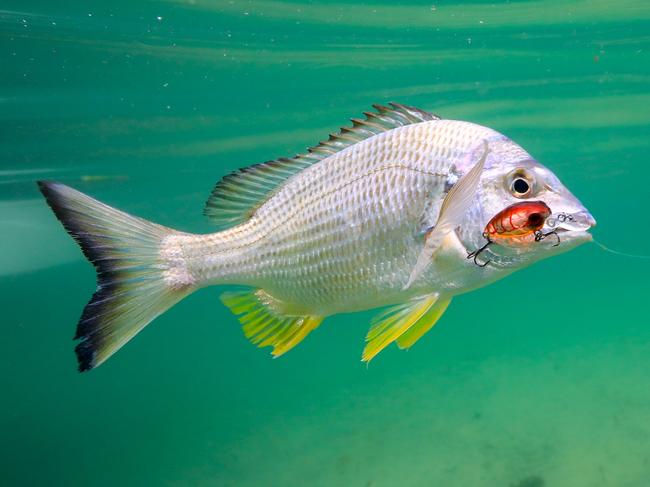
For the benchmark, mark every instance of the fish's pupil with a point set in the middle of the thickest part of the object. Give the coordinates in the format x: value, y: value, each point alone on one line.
x: 520, y: 186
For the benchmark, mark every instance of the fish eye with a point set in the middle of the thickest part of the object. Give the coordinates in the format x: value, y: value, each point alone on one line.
x: 520, y: 186
x: 520, y: 183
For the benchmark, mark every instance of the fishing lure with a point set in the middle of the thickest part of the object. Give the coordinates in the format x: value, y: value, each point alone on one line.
x: 517, y: 224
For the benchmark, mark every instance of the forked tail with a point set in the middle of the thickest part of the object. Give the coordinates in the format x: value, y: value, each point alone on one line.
x: 131, y: 285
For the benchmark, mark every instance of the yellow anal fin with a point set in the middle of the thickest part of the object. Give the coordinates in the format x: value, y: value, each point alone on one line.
x: 396, y: 321
x: 264, y: 323
x: 424, y: 324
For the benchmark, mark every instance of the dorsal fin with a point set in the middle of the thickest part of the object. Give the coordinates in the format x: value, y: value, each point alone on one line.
x: 236, y: 197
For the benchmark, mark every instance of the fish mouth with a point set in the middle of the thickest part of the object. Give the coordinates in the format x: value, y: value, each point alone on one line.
x: 572, y: 226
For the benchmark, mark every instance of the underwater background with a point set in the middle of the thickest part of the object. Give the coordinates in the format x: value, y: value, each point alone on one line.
x: 145, y: 105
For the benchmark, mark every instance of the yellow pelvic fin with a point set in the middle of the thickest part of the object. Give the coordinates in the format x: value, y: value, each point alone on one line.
x: 424, y: 324
x: 398, y: 320
x: 264, y: 322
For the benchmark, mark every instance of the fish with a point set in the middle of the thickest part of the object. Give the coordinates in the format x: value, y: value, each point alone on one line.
x: 383, y: 214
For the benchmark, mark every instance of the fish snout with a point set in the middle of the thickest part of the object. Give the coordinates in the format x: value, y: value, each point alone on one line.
x: 578, y: 221
x: 591, y: 220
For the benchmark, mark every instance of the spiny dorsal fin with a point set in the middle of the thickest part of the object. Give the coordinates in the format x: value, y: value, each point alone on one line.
x: 398, y: 321
x: 236, y: 197
x: 265, y: 325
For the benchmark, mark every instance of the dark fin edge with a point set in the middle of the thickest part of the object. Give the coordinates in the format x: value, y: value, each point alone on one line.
x: 124, y: 252
x: 90, y: 342
x: 236, y: 197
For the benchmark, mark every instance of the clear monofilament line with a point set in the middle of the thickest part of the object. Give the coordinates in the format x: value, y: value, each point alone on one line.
x: 617, y: 252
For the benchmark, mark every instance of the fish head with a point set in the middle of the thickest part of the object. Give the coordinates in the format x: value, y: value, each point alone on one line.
x: 512, y: 176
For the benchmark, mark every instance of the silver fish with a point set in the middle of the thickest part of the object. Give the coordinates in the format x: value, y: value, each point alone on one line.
x: 384, y: 213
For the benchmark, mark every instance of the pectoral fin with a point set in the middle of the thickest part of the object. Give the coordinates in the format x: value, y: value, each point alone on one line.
x: 409, y: 320
x: 265, y: 322
x: 452, y: 211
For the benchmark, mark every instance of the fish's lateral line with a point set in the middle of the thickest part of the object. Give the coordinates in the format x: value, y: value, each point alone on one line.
x: 310, y: 202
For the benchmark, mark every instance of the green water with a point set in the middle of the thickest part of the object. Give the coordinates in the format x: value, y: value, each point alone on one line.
x: 145, y: 105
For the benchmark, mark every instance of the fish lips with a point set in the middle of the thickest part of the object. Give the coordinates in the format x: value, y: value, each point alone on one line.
x: 574, y: 229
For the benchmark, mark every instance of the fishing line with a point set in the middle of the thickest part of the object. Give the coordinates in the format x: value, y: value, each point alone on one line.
x: 618, y: 252
x: 576, y: 218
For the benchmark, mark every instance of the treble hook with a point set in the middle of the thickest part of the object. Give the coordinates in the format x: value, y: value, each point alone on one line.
x: 477, y: 252
x: 539, y: 236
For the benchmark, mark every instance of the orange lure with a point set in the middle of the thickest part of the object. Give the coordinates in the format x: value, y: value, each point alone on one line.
x: 515, y: 225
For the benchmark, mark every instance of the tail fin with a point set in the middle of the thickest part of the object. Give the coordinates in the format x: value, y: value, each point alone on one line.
x: 125, y: 250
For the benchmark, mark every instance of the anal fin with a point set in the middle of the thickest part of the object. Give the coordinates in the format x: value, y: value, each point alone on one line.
x: 265, y: 323
x: 409, y: 320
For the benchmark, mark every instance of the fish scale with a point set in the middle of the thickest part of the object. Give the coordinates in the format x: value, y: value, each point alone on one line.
x: 382, y: 213
x: 380, y: 185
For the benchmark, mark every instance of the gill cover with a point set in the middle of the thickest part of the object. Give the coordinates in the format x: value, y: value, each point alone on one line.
x: 452, y: 211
